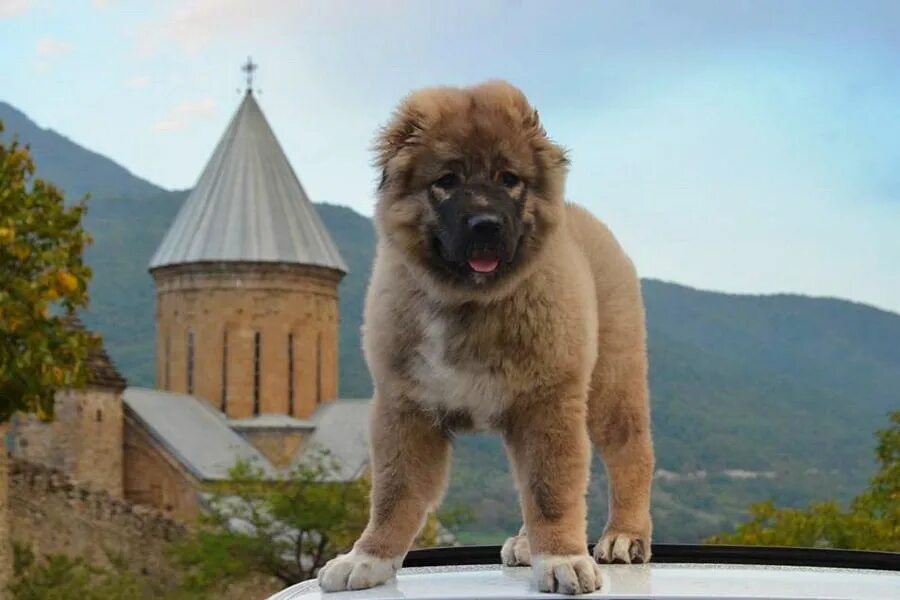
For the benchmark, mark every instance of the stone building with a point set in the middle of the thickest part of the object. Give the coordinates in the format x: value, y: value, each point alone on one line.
x: 246, y: 331
x: 246, y: 346
x: 85, y: 440
x: 246, y: 284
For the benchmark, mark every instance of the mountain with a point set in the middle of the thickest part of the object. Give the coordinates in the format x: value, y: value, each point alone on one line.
x: 754, y: 397
x: 76, y: 170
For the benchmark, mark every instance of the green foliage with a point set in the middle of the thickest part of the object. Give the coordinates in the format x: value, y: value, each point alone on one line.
x: 60, y: 577
x: 41, y: 267
x: 286, y: 528
x: 872, y: 521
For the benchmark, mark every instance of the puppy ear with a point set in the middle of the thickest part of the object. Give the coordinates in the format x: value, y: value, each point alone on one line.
x: 533, y: 121
x: 560, y: 156
x: 552, y: 154
x: 402, y: 130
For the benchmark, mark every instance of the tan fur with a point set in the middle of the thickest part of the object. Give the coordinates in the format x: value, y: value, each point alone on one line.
x: 552, y: 355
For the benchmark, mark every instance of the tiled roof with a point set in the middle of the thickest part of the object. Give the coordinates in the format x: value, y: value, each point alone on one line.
x: 101, y: 370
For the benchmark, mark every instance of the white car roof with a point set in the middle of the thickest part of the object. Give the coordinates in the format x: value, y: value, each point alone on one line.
x: 682, y: 581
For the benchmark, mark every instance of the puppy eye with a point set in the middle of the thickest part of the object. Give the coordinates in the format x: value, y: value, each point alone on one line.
x: 447, y: 180
x: 509, y: 179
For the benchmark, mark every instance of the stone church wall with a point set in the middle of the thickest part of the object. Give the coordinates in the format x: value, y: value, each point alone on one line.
x: 84, y: 440
x: 5, y: 545
x: 153, y: 478
x: 54, y: 515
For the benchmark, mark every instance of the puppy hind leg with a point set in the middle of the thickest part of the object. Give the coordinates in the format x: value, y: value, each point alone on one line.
x: 619, y: 425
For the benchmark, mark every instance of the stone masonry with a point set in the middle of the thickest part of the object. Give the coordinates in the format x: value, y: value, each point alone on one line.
x: 54, y: 515
x: 84, y: 440
x: 218, y: 311
x: 5, y: 546
x: 154, y: 478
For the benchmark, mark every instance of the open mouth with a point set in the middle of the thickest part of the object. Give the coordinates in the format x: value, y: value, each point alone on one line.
x: 484, y: 264
x: 478, y: 259
x: 483, y: 260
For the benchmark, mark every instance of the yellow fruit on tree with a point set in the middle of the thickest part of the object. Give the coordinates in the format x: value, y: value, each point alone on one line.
x: 68, y: 281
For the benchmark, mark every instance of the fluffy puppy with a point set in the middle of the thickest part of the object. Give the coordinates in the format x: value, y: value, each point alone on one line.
x: 495, y: 305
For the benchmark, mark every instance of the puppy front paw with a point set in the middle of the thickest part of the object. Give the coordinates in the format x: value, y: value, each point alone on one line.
x: 566, y: 574
x: 356, y: 571
x: 516, y: 552
x: 622, y: 547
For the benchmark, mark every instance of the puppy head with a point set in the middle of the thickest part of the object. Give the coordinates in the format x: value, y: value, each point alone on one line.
x: 471, y: 187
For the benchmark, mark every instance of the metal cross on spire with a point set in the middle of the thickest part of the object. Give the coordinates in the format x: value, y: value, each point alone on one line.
x: 249, y: 67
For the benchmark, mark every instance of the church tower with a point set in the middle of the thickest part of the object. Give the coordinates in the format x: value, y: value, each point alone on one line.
x: 246, y: 283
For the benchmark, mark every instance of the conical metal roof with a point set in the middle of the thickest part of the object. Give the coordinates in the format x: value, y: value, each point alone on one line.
x: 248, y: 206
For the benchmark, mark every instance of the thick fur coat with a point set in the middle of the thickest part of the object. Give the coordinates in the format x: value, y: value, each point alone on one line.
x: 495, y: 305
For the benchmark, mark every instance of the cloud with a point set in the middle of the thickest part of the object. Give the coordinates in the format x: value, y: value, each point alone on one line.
x: 50, y: 48
x: 48, y: 51
x: 14, y: 8
x: 193, y: 25
x: 138, y: 81
x: 183, y: 115
x: 100, y: 4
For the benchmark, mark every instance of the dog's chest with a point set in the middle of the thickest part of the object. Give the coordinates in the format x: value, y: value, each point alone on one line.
x: 453, y: 383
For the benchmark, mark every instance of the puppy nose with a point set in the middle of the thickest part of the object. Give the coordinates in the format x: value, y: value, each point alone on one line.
x: 485, y: 226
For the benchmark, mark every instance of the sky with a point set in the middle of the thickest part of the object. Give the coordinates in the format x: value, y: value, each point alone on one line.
x: 747, y: 147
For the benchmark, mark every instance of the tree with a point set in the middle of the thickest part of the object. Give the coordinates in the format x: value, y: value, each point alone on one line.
x: 872, y: 521
x: 285, y: 528
x: 42, y: 274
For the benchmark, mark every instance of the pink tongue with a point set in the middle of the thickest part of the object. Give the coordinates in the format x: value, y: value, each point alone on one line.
x: 483, y: 265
